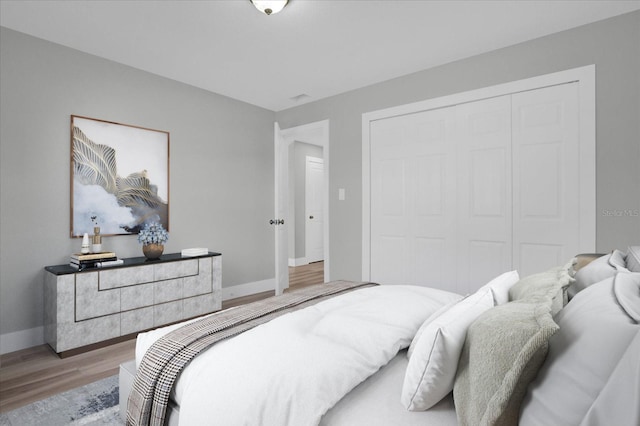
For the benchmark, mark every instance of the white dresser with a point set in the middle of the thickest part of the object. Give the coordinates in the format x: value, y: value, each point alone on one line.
x: 91, y: 306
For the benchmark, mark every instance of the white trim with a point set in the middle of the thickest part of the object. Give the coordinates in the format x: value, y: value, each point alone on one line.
x: 366, y: 196
x: 585, y: 76
x: 316, y: 133
x: 23, y: 339
x: 587, y: 106
x: 248, y: 289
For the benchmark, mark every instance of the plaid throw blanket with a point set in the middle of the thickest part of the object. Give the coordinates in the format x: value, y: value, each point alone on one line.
x: 165, y: 359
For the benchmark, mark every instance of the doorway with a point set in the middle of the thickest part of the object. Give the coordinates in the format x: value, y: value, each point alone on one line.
x: 310, y: 140
x: 306, y: 204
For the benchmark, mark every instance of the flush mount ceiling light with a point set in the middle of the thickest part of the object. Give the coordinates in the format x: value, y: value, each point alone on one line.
x: 269, y: 7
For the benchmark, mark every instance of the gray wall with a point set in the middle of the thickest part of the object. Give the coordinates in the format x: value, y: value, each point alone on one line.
x: 222, y: 150
x: 221, y: 166
x: 613, y: 45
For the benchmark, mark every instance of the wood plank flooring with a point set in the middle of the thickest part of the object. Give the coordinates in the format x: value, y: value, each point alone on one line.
x: 37, y: 373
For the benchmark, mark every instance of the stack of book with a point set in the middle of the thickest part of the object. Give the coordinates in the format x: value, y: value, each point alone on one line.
x: 94, y: 260
x: 191, y: 252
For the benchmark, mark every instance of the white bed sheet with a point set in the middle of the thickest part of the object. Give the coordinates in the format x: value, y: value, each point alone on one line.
x: 376, y: 402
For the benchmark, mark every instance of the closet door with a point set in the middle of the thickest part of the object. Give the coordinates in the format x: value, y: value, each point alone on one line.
x: 546, y: 179
x: 413, y: 186
x: 484, y: 194
x: 462, y: 194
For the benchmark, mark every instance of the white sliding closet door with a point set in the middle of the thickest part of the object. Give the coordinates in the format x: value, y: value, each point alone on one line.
x: 463, y: 193
x: 413, y: 189
x: 546, y: 177
x: 484, y: 191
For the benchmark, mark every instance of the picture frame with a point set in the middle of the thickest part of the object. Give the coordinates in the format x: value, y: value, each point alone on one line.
x: 119, y: 177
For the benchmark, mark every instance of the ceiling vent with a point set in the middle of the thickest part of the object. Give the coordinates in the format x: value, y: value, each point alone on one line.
x: 300, y: 97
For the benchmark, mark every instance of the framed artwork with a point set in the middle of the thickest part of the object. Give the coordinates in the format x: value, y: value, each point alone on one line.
x: 119, y: 177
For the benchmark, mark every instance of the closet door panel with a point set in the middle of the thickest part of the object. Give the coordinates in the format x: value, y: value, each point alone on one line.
x: 413, y: 199
x: 388, y: 213
x: 431, y: 263
x: 546, y: 177
x: 486, y: 261
x: 484, y: 191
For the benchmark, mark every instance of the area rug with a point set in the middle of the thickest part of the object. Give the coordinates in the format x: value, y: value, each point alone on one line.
x: 93, y: 404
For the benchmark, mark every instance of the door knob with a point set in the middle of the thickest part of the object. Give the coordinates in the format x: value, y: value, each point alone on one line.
x: 310, y: 217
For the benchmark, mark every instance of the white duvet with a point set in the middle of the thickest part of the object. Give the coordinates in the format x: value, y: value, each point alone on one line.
x: 293, y: 369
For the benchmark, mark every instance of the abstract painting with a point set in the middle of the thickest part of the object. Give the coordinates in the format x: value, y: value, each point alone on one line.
x: 119, y: 177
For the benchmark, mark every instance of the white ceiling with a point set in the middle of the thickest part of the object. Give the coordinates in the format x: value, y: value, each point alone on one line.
x: 317, y: 48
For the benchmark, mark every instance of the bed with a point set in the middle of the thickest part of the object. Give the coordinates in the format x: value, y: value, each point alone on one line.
x: 520, y: 350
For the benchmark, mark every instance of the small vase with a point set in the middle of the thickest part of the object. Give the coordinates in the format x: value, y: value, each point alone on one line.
x: 85, y: 249
x: 96, y: 240
x: 152, y: 251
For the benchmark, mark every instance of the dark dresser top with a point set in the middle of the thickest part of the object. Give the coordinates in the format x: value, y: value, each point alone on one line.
x: 128, y: 262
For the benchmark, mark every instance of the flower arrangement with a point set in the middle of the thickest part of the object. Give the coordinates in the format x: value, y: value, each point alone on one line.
x: 153, y: 233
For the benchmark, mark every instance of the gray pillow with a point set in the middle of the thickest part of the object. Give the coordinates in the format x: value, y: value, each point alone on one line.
x: 588, y: 360
x: 502, y: 353
x: 602, y: 268
x: 633, y: 259
x: 551, y: 284
x: 617, y: 404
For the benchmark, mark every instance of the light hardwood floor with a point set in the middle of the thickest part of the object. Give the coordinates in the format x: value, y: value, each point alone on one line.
x: 37, y: 373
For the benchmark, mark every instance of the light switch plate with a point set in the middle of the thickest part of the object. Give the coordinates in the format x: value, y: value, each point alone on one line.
x: 341, y: 194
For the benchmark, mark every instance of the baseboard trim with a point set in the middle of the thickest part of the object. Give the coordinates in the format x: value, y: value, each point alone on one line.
x: 23, y: 339
x: 248, y: 289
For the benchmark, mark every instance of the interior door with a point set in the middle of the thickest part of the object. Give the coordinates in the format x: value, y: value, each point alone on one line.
x: 546, y: 149
x: 280, y: 221
x: 314, y: 206
x: 484, y: 191
x: 413, y: 187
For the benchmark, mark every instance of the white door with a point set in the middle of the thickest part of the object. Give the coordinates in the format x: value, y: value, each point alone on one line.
x: 461, y: 194
x: 280, y: 221
x: 546, y: 177
x: 314, y: 206
x: 484, y: 191
x: 412, y: 199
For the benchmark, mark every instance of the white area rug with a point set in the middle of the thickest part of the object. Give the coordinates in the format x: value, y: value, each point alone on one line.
x: 93, y: 404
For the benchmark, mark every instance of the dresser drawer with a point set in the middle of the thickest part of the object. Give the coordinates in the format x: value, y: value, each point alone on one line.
x: 172, y: 270
x: 92, y: 302
x: 123, y: 277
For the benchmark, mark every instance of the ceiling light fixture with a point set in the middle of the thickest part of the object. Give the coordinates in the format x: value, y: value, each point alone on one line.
x: 269, y: 7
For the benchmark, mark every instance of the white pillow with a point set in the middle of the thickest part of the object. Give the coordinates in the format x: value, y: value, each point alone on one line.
x: 500, y: 286
x: 428, y: 321
x: 600, y: 269
x: 432, y: 366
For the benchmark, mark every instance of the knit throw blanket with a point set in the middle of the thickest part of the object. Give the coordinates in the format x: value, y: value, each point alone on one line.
x: 165, y: 359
